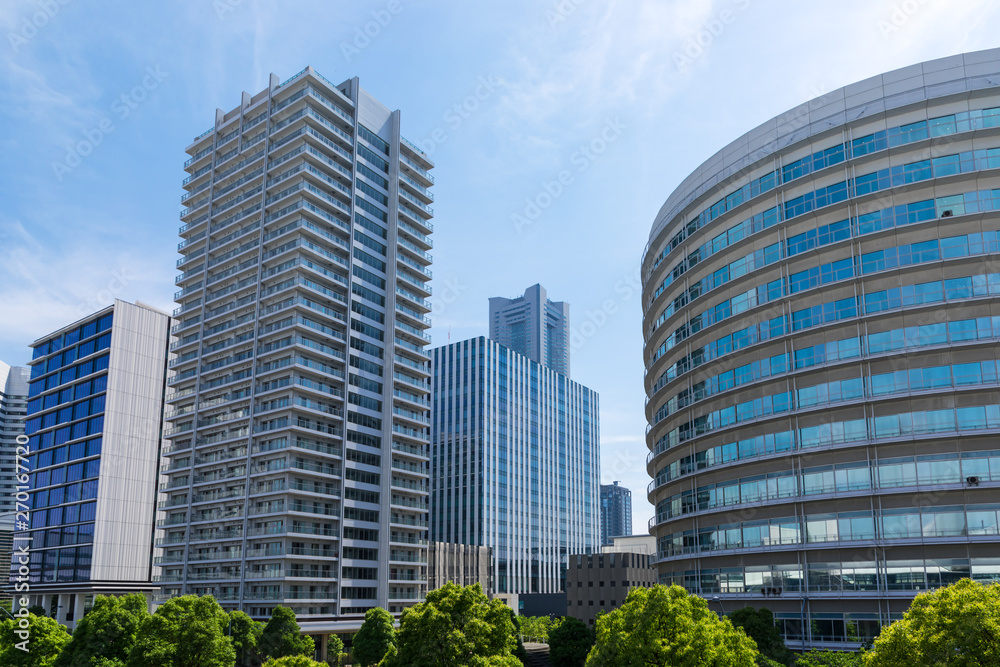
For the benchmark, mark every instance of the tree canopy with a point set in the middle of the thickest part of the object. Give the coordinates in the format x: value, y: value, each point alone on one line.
x: 108, y: 631
x: 570, y: 641
x: 245, y: 634
x: 666, y: 626
x: 187, y: 631
x: 456, y: 627
x: 956, y: 626
x: 830, y: 659
x: 45, y: 640
x: 294, y: 661
x: 758, y: 624
x: 282, y: 636
x: 535, y: 627
x: 372, y: 641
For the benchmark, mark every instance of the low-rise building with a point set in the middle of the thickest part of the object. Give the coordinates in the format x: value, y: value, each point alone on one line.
x: 601, y: 582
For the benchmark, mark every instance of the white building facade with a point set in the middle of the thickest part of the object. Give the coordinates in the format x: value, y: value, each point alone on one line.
x: 296, y: 467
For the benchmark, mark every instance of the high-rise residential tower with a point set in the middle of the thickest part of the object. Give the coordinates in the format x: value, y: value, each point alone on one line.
x: 95, y: 416
x: 533, y: 326
x: 13, y: 405
x: 515, y: 462
x: 296, y: 469
x: 821, y: 319
x: 616, y: 512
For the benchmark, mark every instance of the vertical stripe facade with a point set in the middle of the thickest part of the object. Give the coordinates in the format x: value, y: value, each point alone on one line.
x: 515, y: 462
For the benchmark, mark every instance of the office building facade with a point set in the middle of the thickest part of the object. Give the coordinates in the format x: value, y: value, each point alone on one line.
x: 533, y: 326
x: 461, y: 564
x: 616, y: 512
x: 13, y: 407
x: 515, y: 462
x: 296, y: 464
x: 94, y: 421
x: 821, y: 319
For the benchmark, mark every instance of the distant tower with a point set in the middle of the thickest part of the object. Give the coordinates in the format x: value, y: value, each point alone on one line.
x: 13, y: 404
x: 533, y: 326
x: 616, y: 512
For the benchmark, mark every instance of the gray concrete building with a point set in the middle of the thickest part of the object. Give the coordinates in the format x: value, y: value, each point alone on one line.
x: 94, y: 422
x: 296, y: 460
x: 821, y: 319
x: 601, y: 582
x: 534, y: 326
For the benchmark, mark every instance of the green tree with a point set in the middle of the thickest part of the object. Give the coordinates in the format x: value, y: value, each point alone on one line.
x: 372, y: 641
x: 666, y: 626
x: 534, y: 627
x: 830, y: 659
x: 245, y: 634
x: 293, y: 661
x: 187, y: 631
x: 955, y: 626
x: 335, y: 651
x: 45, y: 639
x: 108, y: 631
x: 456, y: 627
x: 519, y: 651
x: 282, y: 636
x: 759, y: 626
x: 569, y: 643
x: 37, y: 610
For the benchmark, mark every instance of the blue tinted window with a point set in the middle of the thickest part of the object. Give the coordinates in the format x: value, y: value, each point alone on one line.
x: 72, y: 493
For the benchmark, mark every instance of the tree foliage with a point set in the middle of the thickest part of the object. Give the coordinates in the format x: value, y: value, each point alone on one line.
x: 666, y: 626
x: 456, y: 627
x: 282, y: 636
x: 372, y: 641
x: 956, y: 626
x: 535, y: 627
x: 245, y: 634
x: 293, y: 661
x: 570, y: 641
x: 335, y: 650
x: 758, y: 624
x: 830, y: 659
x: 187, y: 631
x: 45, y: 640
x: 108, y: 631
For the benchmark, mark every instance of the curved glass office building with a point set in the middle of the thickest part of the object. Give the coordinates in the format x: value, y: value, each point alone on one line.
x: 822, y: 354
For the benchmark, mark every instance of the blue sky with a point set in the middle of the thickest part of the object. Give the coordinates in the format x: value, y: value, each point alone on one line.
x: 558, y: 128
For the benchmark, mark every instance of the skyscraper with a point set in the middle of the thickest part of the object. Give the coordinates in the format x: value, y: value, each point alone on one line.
x: 616, y: 512
x: 296, y: 470
x: 515, y: 461
x: 820, y: 307
x: 95, y: 412
x: 13, y: 406
x: 533, y: 326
